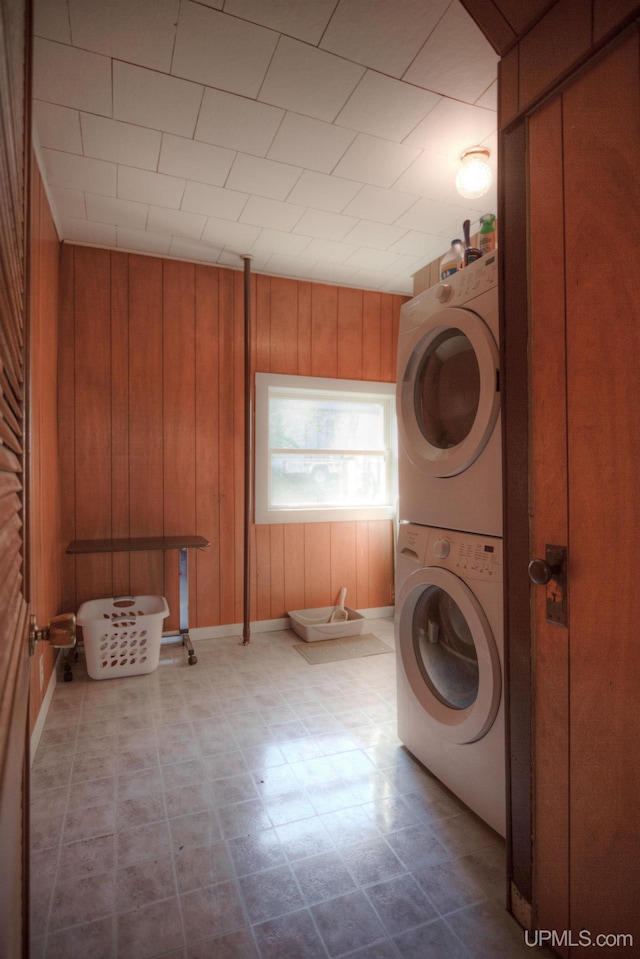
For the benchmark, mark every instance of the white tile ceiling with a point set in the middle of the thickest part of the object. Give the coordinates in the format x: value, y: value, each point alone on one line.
x: 320, y: 136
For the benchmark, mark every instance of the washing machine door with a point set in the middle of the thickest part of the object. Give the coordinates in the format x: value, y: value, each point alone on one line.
x: 448, y: 392
x: 449, y: 654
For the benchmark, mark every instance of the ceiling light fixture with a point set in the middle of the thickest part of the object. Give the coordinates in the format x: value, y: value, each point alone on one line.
x: 474, y: 176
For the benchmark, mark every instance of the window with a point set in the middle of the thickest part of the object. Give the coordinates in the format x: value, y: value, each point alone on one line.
x: 325, y: 449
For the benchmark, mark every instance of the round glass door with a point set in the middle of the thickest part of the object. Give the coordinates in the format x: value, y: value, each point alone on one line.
x: 447, y: 390
x: 448, y: 653
x: 445, y: 650
x: 448, y: 395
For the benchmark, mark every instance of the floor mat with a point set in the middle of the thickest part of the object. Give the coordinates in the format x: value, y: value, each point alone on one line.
x: 349, y: 647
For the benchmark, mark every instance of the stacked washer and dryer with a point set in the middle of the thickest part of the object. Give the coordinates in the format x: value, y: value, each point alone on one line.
x: 449, y: 588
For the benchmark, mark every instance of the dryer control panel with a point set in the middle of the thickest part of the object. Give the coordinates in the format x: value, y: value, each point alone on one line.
x: 461, y: 288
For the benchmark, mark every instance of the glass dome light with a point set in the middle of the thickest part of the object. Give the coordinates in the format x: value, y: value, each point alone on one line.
x: 474, y: 176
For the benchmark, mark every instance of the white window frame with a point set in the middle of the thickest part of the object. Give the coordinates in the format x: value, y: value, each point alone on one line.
x: 264, y: 514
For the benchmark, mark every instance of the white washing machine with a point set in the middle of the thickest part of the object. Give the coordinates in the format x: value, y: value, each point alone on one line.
x: 448, y: 404
x: 449, y: 649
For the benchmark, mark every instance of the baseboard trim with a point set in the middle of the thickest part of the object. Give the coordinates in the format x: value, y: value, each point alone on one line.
x: 521, y: 909
x: 42, y: 714
x: 264, y: 626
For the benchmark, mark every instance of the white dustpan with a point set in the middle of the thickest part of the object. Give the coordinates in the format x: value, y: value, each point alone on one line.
x: 340, y: 615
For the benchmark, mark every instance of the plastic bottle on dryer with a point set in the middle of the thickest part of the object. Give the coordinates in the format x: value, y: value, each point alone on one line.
x: 452, y: 261
x: 487, y: 238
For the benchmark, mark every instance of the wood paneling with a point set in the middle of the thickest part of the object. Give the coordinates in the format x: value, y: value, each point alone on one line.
x: 496, y: 28
x: 512, y: 212
x: 550, y: 39
x: 559, y: 40
x: 508, y: 87
x: 585, y: 349
x: 608, y: 14
x: 324, y: 330
x: 549, y: 463
x: 44, y: 511
x: 178, y: 414
x: 603, y: 390
x: 152, y: 360
x: 207, y: 489
x: 14, y: 475
x: 521, y: 16
x: 515, y: 207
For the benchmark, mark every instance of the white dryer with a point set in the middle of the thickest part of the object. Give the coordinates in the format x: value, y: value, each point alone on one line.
x: 449, y: 649
x: 448, y: 404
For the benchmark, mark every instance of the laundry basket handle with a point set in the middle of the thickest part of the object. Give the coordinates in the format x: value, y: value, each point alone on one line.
x: 123, y: 602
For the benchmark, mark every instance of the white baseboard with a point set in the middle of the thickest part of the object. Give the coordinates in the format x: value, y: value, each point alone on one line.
x: 44, y: 709
x: 265, y: 625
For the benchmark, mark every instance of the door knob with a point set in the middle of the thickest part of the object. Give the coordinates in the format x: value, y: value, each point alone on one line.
x: 541, y: 572
x: 60, y: 632
x: 552, y: 570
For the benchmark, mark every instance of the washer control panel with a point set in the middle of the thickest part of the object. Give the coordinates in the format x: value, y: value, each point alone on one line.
x: 470, y: 555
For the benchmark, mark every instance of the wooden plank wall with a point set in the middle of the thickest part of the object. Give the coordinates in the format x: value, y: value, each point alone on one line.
x: 543, y: 59
x: 14, y: 586
x: 44, y: 511
x: 151, y: 430
x: 537, y: 60
x: 506, y: 22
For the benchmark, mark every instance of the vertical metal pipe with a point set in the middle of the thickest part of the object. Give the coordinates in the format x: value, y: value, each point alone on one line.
x: 248, y: 450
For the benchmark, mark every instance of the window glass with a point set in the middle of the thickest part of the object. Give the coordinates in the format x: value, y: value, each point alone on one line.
x: 325, y: 446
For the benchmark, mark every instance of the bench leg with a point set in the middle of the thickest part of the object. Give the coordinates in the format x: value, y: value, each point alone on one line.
x: 184, y: 607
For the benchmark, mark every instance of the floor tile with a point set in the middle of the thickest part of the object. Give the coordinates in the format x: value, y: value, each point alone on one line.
x: 307, y: 837
x: 235, y: 945
x: 270, y: 893
x: 372, y: 861
x: 144, y: 883
x: 449, y: 885
x: 416, y: 846
x: 211, y: 911
x: 322, y: 877
x: 169, y: 821
x: 289, y: 937
x: 489, y: 932
x: 202, y: 866
x: 256, y: 852
x: 150, y: 930
x: 347, y: 922
x: 435, y: 940
x: 400, y: 903
x: 82, y: 900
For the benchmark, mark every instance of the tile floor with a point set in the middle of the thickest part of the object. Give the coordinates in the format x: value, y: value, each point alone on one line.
x: 253, y: 807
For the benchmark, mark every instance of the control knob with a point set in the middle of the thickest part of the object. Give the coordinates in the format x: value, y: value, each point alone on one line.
x: 441, y: 548
x: 443, y: 292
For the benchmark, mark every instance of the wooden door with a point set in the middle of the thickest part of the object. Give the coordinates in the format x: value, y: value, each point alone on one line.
x: 584, y: 196
x: 14, y: 664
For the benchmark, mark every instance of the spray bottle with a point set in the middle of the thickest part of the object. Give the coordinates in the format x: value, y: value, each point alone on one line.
x: 487, y: 240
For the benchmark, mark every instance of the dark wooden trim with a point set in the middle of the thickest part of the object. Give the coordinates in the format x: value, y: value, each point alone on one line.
x: 512, y: 213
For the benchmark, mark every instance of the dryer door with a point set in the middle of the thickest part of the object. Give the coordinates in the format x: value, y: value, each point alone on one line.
x: 449, y: 654
x: 448, y: 391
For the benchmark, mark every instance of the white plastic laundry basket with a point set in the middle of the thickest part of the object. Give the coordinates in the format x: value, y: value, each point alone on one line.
x: 122, y: 635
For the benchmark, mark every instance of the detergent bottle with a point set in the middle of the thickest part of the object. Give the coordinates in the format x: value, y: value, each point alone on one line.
x: 487, y: 238
x: 452, y: 261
